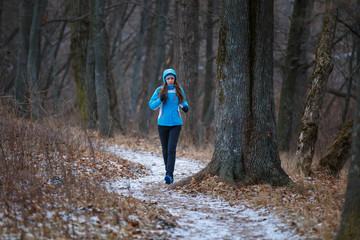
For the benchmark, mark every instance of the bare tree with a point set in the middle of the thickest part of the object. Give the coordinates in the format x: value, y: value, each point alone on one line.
x: 323, y: 67
x: 90, y: 80
x: 33, y: 58
x: 158, y: 60
x: 25, y: 13
x: 288, y: 88
x: 350, y: 227
x: 79, y: 43
x: 209, y: 76
x: 246, y: 148
x: 188, y: 32
x: 137, y: 66
x: 101, y: 81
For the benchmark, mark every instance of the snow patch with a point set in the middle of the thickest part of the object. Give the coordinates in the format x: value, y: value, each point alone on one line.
x: 199, y: 216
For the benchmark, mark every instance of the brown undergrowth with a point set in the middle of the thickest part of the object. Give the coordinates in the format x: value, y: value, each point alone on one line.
x: 53, y: 186
x: 312, y: 208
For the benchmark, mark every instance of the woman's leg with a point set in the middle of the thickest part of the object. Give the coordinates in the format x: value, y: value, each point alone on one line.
x: 164, y: 139
x: 174, y: 134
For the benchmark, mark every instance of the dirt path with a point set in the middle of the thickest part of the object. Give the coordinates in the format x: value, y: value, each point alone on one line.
x: 199, y: 216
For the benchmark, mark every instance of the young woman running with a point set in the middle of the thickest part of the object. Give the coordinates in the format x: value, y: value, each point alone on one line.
x: 170, y: 98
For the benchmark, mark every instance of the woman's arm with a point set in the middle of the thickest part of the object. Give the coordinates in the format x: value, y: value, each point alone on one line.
x: 155, y: 101
x: 184, y: 103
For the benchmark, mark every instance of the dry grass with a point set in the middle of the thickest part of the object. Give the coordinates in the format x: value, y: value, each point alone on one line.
x: 52, y: 186
x: 312, y: 208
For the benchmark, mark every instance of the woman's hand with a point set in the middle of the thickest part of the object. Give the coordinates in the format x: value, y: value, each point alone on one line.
x: 162, y: 97
x: 185, y: 109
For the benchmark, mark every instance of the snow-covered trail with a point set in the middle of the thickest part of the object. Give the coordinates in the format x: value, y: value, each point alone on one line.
x: 199, y: 216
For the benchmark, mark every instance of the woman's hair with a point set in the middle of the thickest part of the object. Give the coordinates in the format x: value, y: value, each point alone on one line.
x: 179, y: 93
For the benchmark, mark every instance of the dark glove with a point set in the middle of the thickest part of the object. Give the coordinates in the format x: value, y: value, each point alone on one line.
x: 185, y: 109
x: 162, y: 97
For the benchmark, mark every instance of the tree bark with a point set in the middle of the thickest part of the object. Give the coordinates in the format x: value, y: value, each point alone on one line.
x: 101, y: 81
x: 209, y: 86
x: 288, y: 88
x: 302, y: 79
x: 137, y: 66
x: 146, y: 73
x: 339, y: 151
x: 245, y: 148
x: 90, y: 82
x: 33, y: 60
x: 350, y: 223
x: 188, y: 31
x: 1, y: 9
x: 349, y: 83
x: 25, y: 16
x: 78, y: 50
x: 310, y: 119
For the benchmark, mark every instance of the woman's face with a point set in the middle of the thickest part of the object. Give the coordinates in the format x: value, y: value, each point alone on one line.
x: 170, y: 80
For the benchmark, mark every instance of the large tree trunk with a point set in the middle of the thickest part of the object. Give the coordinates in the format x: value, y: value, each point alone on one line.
x: 33, y: 60
x: 350, y: 223
x: 286, y: 108
x: 339, y: 151
x: 188, y: 30
x: 323, y: 67
x: 246, y: 148
x: 79, y: 43
x: 101, y: 82
x: 25, y: 16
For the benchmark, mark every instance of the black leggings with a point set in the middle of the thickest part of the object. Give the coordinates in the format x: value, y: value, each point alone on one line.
x: 169, y: 136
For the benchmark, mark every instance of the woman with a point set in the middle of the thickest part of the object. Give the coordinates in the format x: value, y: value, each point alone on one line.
x: 169, y: 98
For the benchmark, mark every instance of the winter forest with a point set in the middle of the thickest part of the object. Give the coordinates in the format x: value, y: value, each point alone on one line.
x: 269, y: 146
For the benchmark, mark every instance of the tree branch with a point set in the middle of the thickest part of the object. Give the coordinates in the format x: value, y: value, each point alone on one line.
x: 349, y: 27
x: 338, y: 93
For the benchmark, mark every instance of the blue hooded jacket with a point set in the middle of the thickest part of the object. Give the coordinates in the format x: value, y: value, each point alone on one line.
x: 169, y: 114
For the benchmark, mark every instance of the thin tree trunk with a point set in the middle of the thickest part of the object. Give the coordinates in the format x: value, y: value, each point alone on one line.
x: 101, y: 81
x: 349, y: 84
x: 350, y: 223
x: 78, y: 48
x: 90, y: 79
x: 302, y: 79
x: 25, y: 16
x: 339, y: 151
x: 54, y: 79
x: 323, y: 67
x: 1, y: 8
x: 209, y: 86
x: 147, y: 70
x: 188, y: 30
x: 33, y: 60
x: 137, y: 66
x: 288, y: 88
x: 246, y: 148
x: 114, y: 108
x: 159, y: 60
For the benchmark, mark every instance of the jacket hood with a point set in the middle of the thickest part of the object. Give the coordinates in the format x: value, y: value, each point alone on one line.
x: 169, y: 71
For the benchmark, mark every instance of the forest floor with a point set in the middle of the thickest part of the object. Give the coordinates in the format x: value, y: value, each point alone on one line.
x: 58, y: 183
